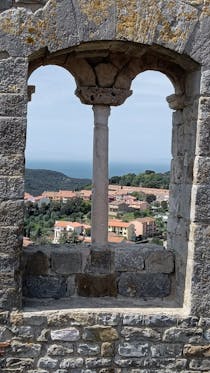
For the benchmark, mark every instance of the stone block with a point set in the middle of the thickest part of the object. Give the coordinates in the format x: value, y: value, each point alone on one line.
x: 160, y: 262
x: 37, y: 263
x: 5, y: 4
x: 44, y: 287
x: 12, y: 135
x: 47, y: 363
x: 8, y: 264
x: 100, y: 333
x: 196, y: 351
x: 71, y: 286
x: 16, y: 363
x: 13, y: 75
x: 107, y: 349
x: 13, y: 105
x: 96, y: 286
x: 26, y: 349
x: 148, y: 285
x: 140, y: 334
x: 11, y: 188
x: 10, y: 240
x: 88, y: 349
x: 97, y: 362
x: 180, y: 335
x: 100, y: 261
x: 200, y: 365
x: 66, y: 262
x: 126, y: 349
x: 202, y: 170
x: 11, y: 213
x: 203, y: 128
x: 60, y: 350
x: 205, y: 83
x: 65, y: 335
x: 166, y: 350
x: 128, y: 259
x: 74, y: 362
x: 12, y: 165
x: 201, y: 196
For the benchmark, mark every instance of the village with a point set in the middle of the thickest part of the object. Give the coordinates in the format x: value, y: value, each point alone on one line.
x: 136, y: 214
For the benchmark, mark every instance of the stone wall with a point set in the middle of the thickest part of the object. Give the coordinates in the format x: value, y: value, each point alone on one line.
x: 103, y: 342
x: 135, y: 271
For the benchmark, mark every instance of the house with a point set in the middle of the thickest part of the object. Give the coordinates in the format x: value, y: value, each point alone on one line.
x: 122, y: 228
x: 69, y: 227
x: 145, y: 227
x: 116, y: 207
x: 85, y: 194
x: 138, y: 205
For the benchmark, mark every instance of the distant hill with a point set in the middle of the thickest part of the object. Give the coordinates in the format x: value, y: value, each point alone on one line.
x: 38, y: 181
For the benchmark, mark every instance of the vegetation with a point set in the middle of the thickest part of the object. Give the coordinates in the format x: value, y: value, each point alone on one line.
x: 39, y: 221
x: 148, y: 179
x: 38, y: 181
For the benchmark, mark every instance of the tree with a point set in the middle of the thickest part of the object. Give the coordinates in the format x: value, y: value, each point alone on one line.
x: 150, y: 198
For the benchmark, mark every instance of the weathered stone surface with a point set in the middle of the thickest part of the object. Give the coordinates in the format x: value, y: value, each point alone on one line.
x: 160, y: 262
x: 68, y: 335
x: 144, y: 285
x: 106, y: 73
x: 96, y: 286
x: 183, y: 335
x: 136, y: 334
x: 98, y: 362
x: 5, y: 4
x: 13, y: 73
x: 12, y: 135
x: 44, y: 287
x: 100, y: 333
x: 11, y: 213
x: 101, y: 261
x: 12, y: 105
x: 26, y: 349
x: 197, y: 351
x: 133, y: 349
x: 37, y: 264
x: 201, y: 365
x: 12, y: 165
x: 88, y: 349
x: 60, y: 350
x: 72, y: 363
x: 47, y: 363
x: 67, y: 262
x: 128, y: 259
x: 107, y: 349
x: 11, y: 188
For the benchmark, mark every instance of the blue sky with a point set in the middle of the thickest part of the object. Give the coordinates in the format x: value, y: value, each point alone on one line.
x: 61, y: 128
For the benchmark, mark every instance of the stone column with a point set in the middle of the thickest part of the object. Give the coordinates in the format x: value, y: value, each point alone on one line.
x: 99, y: 231
x: 101, y: 99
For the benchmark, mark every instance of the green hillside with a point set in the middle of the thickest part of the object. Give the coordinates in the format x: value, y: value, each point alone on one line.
x: 38, y: 181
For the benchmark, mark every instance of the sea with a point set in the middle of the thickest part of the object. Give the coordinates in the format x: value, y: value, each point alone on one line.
x: 83, y: 169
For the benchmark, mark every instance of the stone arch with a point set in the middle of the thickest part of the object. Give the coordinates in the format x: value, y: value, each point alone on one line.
x: 158, y: 33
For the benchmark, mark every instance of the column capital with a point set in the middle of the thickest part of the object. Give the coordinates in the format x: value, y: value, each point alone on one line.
x: 102, y: 96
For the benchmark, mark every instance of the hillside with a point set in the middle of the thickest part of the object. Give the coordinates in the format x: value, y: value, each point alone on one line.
x: 38, y: 181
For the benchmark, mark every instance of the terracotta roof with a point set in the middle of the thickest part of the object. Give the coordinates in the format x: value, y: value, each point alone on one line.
x: 66, y: 194
x: 118, y: 223
x: 64, y: 224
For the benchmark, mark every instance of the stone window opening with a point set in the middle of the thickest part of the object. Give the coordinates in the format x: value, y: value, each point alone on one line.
x: 100, y: 272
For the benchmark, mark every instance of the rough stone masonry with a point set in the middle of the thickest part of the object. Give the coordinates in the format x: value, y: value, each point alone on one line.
x: 105, y: 45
